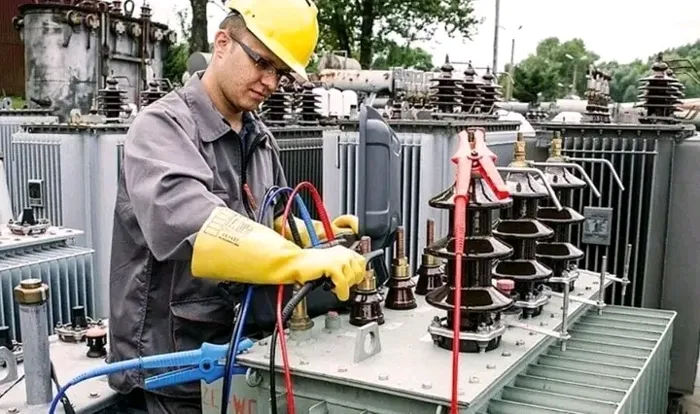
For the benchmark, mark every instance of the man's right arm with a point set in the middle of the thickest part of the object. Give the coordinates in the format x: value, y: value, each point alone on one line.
x: 167, y: 180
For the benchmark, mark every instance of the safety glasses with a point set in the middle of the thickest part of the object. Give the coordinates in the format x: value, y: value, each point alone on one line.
x: 284, y: 77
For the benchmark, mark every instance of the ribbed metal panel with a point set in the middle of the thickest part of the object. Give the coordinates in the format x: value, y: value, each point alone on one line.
x: 79, y: 171
x: 637, y: 161
x: 48, y: 158
x: 11, y: 122
x: 301, y: 154
x: 617, y: 362
x: 419, y: 174
x: 67, y: 270
x: 426, y: 170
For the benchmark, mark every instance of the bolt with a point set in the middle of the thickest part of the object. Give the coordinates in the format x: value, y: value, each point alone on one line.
x: 342, y: 369
x: 304, y: 362
x: 383, y: 377
x: 505, y: 354
x: 430, y: 232
x: 474, y: 380
x: 400, y: 243
x: 543, y: 323
x: 490, y: 366
x: 365, y: 245
x: 519, y: 342
x: 426, y: 385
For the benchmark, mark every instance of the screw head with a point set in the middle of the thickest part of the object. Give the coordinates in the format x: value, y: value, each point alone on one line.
x: 383, y: 377
x: 490, y: 366
x: 342, y: 369
x: 579, y: 294
x: 13, y: 410
x: 304, y: 361
x: 94, y: 394
x: 533, y: 333
x: 474, y: 380
x: 426, y: 385
x: 543, y: 323
x: 588, y: 288
x: 553, y: 315
x: 519, y: 342
x: 263, y: 342
x: 506, y: 354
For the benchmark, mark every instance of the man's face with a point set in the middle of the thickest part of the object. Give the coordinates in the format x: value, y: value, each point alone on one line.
x: 247, y: 72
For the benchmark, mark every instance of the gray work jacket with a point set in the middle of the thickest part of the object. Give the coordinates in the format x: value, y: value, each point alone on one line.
x: 181, y: 160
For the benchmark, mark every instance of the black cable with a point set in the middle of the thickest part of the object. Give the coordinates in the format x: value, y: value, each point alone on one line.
x: 67, y: 406
x: 17, y: 381
x: 239, y: 321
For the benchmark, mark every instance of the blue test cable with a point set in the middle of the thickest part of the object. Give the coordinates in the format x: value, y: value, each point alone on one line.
x: 159, y: 361
x: 268, y: 201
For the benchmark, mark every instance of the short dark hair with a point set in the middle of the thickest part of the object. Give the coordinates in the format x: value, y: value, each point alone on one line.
x: 234, y: 25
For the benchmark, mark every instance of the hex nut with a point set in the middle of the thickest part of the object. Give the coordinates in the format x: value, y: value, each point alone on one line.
x: 31, y: 292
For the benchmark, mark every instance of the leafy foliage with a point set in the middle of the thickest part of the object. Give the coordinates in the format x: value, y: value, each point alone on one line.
x: 367, y: 28
x: 394, y: 55
x: 549, y: 71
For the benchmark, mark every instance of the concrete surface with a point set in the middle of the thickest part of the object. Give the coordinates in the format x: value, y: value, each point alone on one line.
x: 691, y: 404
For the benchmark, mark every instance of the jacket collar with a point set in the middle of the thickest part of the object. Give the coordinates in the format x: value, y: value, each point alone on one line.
x: 210, y: 123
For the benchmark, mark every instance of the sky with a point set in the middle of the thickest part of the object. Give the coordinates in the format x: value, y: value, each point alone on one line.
x: 621, y: 30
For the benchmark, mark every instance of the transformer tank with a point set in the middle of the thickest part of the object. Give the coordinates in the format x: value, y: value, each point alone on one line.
x: 71, y: 49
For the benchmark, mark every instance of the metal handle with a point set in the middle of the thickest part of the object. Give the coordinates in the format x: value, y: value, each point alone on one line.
x: 538, y: 173
x: 617, y: 178
x: 577, y: 167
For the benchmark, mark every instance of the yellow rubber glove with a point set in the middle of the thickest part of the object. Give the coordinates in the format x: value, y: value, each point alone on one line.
x: 342, y: 225
x: 233, y: 248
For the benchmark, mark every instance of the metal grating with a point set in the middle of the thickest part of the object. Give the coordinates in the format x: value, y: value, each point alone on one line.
x: 617, y: 362
x: 66, y: 269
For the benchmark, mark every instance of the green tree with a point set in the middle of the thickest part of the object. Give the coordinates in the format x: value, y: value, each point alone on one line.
x: 366, y: 28
x: 552, y: 69
x: 394, y: 55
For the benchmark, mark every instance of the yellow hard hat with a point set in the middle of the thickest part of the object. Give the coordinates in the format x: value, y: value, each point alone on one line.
x: 288, y: 28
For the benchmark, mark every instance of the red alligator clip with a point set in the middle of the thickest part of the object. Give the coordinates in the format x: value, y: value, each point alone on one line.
x: 484, y: 161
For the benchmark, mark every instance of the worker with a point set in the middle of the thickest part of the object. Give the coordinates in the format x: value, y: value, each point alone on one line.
x: 197, y: 164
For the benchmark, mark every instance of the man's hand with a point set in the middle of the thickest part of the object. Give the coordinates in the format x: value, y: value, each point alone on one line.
x: 343, y: 266
x: 230, y: 247
x: 342, y: 225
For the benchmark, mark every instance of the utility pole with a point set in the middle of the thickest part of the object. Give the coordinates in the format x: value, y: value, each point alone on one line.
x: 511, y: 69
x: 494, y: 68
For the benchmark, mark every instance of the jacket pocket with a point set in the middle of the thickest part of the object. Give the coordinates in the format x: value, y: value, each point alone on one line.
x: 200, y: 320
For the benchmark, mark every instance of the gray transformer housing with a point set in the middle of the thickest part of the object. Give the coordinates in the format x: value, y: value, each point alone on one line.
x: 69, y: 50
